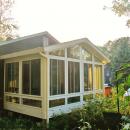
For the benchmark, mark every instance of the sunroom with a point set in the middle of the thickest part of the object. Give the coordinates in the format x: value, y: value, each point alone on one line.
x: 43, y: 77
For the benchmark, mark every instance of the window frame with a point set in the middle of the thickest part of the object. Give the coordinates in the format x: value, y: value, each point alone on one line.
x: 49, y: 81
x: 29, y: 60
x: 5, y: 80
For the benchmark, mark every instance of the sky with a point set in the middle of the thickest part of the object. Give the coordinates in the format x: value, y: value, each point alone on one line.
x: 70, y: 19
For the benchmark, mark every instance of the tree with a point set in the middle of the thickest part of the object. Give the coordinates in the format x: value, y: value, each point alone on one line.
x: 118, y: 52
x: 122, y: 7
x: 7, y: 26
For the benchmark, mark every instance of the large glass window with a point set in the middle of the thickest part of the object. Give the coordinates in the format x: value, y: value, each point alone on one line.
x: 31, y: 77
x: 88, y: 80
x: 79, y: 52
x: 96, y: 59
x: 57, y: 77
x: 58, y: 53
x: 73, y: 77
x: 85, y: 55
x: 98, y: 76
x: 12, y: 99
x: 56, y: 102
x: 74, y: 52
x: 12, y: 77
x: 73, y: 99
x: 32, y: 102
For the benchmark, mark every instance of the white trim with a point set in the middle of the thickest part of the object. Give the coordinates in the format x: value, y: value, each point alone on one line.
x: 22, y: 53
x: 30, y: 36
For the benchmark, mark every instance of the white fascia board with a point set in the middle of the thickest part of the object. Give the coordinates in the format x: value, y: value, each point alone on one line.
x: 22, y: 38
x: 30, y: 36
x: 23, y: 53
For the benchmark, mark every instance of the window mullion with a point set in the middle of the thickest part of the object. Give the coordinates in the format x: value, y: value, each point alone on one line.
x: 74, y: 89
x: 57, y: 77
x: 30, y: 77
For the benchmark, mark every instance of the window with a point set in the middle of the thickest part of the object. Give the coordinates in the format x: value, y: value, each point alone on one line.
x: 58, y: 53
x: 88, y: 80
x: 73, y: 99
x: 79, y: 52
x: 12, y: 99
x: 32, y: 102
x: 73, y: 77
x: 85, y: 55
x: 74, y: 52
x: 98, y: 76
x: 31, y: 77
x: 96, y: 59
x: 57, y: 77
x: 57, y: 102
x: 12, y: 77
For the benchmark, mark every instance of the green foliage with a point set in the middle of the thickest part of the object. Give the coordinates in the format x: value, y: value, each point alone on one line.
x: 83, y: 119
x: 118, y: 52
x: 125, y: 123
x: 7, y: 123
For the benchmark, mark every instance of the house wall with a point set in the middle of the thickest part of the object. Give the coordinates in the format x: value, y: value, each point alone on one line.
x: 45, y: 112
x: 40, y: 112
x: 68, y: 107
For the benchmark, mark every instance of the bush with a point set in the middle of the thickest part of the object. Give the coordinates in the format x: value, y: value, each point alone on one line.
x: 7, y: 123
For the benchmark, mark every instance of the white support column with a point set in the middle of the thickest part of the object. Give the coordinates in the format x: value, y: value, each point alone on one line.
x: 20, y: 80
x: 93, y: 67
x: 48, y: 87
x: 42, y: 85
x: 103, y: 77
x: 81, y: 82
x: 66, y: 76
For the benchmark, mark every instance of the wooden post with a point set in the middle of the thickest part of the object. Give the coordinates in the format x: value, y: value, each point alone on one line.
x: 1, y: 84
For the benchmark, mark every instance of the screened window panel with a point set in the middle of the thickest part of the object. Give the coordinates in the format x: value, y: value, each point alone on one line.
x: 53, y: 77
x: 73, y: 77
x: 58, y: 53
x: 88, y: 78
x: 26, y: 77
x: 57, y: 102
x: 57, y: 77
x: 31, y: 77
x: 96, y: 59
x: 74, y: 52
x: 98, y: 77
x: 85, y: 55
x: 73, y: 99
x: 32, y: 102
x: 35, y: 77
x: 12, y: 77
x: 12, y: 99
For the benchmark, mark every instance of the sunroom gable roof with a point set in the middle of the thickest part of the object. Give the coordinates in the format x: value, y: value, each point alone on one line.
x: 88, y: 44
